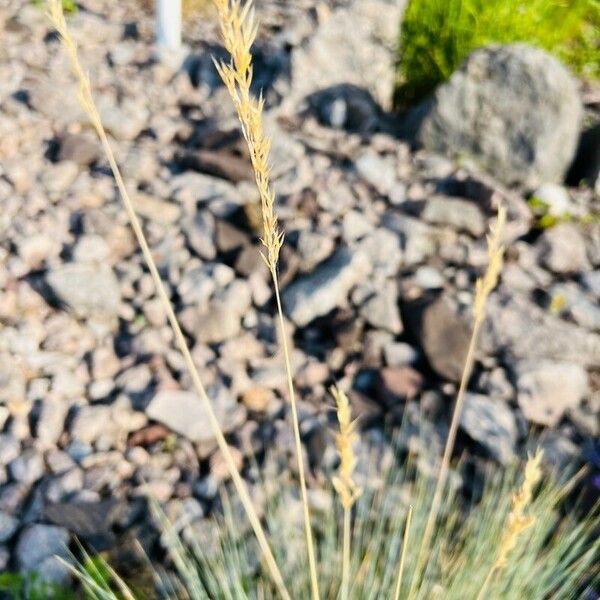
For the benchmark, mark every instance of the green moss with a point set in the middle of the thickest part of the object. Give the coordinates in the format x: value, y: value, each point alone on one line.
x: 438, y: 34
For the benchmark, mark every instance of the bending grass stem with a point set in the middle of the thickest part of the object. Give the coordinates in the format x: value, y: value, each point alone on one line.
x: 298, y: 443
x: 445, y: 465
x: 56, y: 16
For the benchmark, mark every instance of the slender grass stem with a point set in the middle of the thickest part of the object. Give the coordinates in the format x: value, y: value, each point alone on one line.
x: 86, y: 99
x: 403, y: 554
x: 346, y: 555
x: 484, y: 287
x: 297, y: 441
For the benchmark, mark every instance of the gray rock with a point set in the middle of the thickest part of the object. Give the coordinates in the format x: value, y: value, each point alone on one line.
x: 377, y: 171
x: 546, y: 390
x: 547, y: 337
x: 562, y: 249
x: 212, y: 325
x: 381, y: 309
x: 51, y: 420
x: 155, y: 209
x: 10, y: 448
x: 569, y: 297
x: 91, y: 249
x: 313, y: 248
x: 200, y: 232
x: 399, y: 354
x: 123, y: 122
x: 355, y: 45
x: 382, y: 248
x: 514, y: 109
x: 456, y: 213
x: 8, y: 526
x: 491, y: 423
x: 184, y: 413
x: 28, y: 467
x: 560, y: 453
x: 317, y: 294
x: 61, y: 486
x: 86, y: 289
x: 90, y: 423
x: 40, y: 542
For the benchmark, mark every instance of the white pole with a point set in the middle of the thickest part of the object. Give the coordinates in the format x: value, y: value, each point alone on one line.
x: 168, y: 24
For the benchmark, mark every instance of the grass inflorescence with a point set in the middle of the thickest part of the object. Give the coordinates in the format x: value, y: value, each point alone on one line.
x: 397, y: 531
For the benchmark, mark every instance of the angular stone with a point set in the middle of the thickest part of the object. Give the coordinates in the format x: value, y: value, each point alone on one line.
x: 514, y: 109
x: 381, y: 310
x: 86, y: 289
x: 461, y: 215
x: 39, y: 542
x: 521, y: 330
x: 317, y: 294
x: 491, y: 423
x: 562, y: 249
x: 184, y: 413
x: 546, y: 390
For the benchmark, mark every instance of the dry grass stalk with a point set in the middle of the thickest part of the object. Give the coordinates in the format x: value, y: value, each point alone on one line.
x: 344, y: 484
x: 238, y: 31
x: 518, y: 519
x: 483, y: 289
x: 56, y: 16
x: 403, y: 555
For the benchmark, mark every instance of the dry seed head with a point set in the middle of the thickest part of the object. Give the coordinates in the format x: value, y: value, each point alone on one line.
x: 238, y: 32
x: 345, y: 439
x: 488, y: 282
x: 518, y: 519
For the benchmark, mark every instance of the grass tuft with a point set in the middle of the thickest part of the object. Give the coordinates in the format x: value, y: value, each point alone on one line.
x: 528, y: 544
x: 437, y: 35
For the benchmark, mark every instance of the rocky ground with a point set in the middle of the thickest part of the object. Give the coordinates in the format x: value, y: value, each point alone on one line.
x: 383, y: 244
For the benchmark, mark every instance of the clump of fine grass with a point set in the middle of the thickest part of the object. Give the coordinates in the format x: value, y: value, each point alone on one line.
x: 412, y: 536
x: 437, y: 35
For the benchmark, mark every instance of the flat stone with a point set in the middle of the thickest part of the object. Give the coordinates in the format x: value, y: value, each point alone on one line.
x: 8, y: 526
x: 317, y: 294
x: 39, y: 542
x: 212, y: 325
x: 51, y: 420
x: 86, y: 289
x: 547, y: 336
x: 562, y: 249
x: 546, y: 390
x: 381, y: 309
x: 28, y: 467
x: 183, y: 413
x: 461, y: 215
x: 491, y: 423
x: 155, y: 209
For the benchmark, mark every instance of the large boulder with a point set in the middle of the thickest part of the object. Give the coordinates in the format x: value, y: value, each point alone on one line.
x: 513, y: 109
x: 355, y: 44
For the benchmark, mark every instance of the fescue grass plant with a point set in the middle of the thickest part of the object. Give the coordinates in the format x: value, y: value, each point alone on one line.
x: 437, y: 35
x: 399, y: 531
